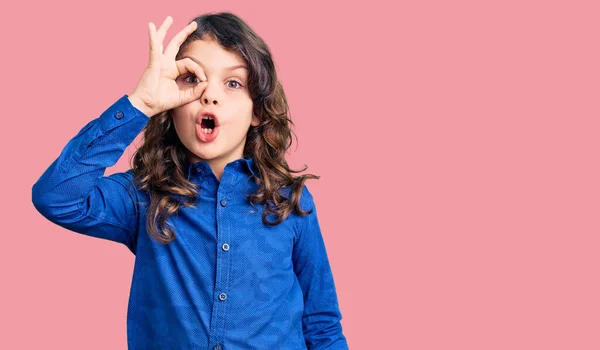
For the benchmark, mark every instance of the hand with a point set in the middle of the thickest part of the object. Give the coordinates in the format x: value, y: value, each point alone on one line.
x: 157, y: 90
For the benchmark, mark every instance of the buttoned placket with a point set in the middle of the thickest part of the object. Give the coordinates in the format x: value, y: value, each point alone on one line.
x: 226, y: 189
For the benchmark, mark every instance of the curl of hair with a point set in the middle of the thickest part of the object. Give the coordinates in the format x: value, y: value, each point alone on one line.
x: 160, y: 164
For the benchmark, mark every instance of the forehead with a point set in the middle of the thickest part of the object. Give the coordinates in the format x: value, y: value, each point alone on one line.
x: 212, y: 57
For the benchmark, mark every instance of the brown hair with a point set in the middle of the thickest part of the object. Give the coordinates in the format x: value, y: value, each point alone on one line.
x: 161, y: 162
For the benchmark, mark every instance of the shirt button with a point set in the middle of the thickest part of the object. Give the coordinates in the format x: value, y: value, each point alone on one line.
x: 225, y: 246
x: 222, y: 296
x: 223, y: 202
x: 217, y: 347
x: 119, y: 115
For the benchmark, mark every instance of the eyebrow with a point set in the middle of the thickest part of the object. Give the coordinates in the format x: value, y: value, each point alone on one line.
x: 226, y: 68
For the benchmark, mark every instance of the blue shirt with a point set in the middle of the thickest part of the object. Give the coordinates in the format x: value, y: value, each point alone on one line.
x: 228, y: 281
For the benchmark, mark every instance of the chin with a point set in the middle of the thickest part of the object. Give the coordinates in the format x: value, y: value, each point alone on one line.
x: 206, y: 154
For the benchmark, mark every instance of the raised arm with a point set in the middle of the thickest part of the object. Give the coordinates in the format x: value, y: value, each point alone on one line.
x: 74, y: 193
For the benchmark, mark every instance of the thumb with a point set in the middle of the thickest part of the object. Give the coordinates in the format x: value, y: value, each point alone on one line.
x: 193, y: 93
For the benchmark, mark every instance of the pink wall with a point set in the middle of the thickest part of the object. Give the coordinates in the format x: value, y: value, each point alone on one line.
x: 457, y: 145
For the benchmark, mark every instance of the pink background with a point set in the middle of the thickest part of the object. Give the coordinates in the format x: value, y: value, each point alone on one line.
x: 457, y: 146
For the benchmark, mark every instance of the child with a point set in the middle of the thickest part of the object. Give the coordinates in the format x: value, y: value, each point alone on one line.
x: 229, y: 253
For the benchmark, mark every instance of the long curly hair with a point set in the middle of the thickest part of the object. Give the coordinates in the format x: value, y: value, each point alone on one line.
x: 160, y: 163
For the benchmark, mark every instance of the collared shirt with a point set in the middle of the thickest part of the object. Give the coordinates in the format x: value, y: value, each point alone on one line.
x: 227, y: 281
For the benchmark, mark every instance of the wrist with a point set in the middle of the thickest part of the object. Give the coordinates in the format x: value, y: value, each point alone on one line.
x: 137, y: 102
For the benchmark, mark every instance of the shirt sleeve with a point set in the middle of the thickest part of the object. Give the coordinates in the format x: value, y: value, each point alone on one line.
x: 321, y: 318
x: 73, y: 191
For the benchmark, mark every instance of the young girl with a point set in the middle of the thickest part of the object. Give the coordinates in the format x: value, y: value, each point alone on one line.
x: 229, y: 253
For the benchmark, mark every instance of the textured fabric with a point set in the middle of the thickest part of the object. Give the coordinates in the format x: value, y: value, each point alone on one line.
x: 228, y: 281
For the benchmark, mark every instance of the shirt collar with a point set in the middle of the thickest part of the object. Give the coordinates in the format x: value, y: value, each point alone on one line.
x: 248, y: 164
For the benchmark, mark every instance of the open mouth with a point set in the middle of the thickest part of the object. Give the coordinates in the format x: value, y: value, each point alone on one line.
x: 207, y: 130
x: 207, y: 125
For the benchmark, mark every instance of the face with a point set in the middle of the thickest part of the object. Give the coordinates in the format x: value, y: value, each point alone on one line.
x: 226, y: 96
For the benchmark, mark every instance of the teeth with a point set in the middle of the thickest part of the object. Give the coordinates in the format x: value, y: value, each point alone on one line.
x: 207, y: 131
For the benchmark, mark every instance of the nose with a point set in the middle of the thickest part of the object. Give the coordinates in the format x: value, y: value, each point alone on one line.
x: 208, y: 101
x: 209, y: 96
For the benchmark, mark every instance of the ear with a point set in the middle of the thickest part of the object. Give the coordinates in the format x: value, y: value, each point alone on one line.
x: 255, y: 121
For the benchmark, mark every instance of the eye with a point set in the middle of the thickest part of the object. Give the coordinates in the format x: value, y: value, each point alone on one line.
x: 235, y: 81
x: 191, y: 75
x: 229, y: 81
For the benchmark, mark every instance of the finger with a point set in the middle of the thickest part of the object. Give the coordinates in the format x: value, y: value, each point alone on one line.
x: 178, y: 39
x: 154, y: 49
x: 187, y: 65
x: 193, y: 92
x: 162, y: 31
